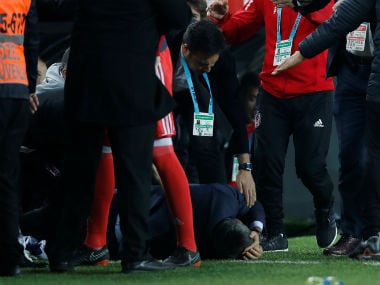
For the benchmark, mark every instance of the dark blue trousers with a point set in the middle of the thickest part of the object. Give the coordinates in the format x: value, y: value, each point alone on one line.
x: 350, y: 118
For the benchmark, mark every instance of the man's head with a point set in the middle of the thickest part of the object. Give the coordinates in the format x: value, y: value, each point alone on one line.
x: 230, y: 237
x: 249, y: 89
x: 202, y: 43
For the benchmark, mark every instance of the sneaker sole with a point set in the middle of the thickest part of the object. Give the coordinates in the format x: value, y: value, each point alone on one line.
x: 368, y: 255
x: 102, y: 262
x: 197, y: 264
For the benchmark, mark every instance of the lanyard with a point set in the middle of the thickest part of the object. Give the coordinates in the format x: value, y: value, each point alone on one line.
x: 191, y: 86
x: 294, y: 29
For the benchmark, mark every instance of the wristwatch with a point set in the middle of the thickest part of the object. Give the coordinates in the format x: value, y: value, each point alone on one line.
x: 245, y: 166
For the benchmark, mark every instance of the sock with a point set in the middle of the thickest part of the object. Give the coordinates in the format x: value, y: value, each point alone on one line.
x: 104, y: 190
x: 177, y: 192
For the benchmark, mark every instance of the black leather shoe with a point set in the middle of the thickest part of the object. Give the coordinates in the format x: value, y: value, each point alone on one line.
x: 10, y: 271
x: 59, y: 265
x: 345, y: 245
x: 145, y: 265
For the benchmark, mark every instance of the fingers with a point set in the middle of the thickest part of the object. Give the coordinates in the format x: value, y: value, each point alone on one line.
x: 246, y: 186
x: 33, y: 103
x: 252, y: 253
x: 294, y: 60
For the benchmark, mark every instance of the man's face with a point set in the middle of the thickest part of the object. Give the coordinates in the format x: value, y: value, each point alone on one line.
x: 251, y: 102
x: 199, y: 62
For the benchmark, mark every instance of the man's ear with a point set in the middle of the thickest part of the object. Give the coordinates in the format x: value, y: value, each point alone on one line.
x: 63, y: 72
x: 185, y: 49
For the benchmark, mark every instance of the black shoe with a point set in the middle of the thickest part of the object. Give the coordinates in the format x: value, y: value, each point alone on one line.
x: 10, y: 271
x: 90, y: 256
x: 326, y: 230
x: 60, y: 264
x: 367, y: 250
x: 184, y: 257
x: 145, y: 265
x: 275, y: 243
x: 344, y: 246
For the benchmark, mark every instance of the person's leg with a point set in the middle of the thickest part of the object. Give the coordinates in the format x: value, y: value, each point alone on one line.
x: 95, y: 251
x: 13, y: 125
x: 313, y: 122
x: 79, y: 175
x: 349, y: 114
x: 371, y: 214
x: 177, y: 191
x: 271, y: 143
x: 132, y: 148
x: 370, y: 247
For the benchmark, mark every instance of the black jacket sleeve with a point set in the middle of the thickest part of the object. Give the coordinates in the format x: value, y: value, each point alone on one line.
x: 173, y: 15
x: 31, y: 45
x: 309, y: 6
x: 350, y: 14
x: 56, y: 10
x: 225, y: 82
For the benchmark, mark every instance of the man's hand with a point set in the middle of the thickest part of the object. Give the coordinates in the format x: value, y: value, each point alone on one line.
x: 254, y: 251
x: 336, y: 5
x: 218, y: 9
x: 244, y: 181
x: 33, y: 103
x: 246, y: 185
x: 294, y: 60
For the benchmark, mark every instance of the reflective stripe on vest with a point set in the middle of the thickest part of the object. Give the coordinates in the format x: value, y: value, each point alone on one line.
x: 12, y: 27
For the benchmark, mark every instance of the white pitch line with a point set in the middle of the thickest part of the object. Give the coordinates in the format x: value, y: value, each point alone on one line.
x: 263, y: 261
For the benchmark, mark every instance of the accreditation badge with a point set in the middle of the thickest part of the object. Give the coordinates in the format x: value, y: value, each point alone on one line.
x: 282, y: 52
x: 203, y: 124
x: 235, y: 168
x: 356, y: 39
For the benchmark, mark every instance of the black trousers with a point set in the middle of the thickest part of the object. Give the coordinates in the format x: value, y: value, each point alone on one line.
x: 132, y: 148
x: 371, y: 187
x: 308, y: 118
x: 14, y: 114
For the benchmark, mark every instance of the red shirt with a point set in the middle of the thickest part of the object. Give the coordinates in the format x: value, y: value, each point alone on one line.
x: 307, y: 77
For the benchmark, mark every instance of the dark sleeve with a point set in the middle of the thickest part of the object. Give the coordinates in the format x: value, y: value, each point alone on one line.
x: 226, y: 84
x: 57, y: 10
x: 306, y: 7
x: 172, y: 14
x: 31, y: 44
x: 254, y: 214
x: 349, y: 15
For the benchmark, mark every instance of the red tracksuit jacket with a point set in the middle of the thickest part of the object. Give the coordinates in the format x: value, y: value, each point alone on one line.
x: 307, y: 77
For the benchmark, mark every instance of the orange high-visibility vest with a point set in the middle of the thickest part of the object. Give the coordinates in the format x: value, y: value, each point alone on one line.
x: 12, y: 27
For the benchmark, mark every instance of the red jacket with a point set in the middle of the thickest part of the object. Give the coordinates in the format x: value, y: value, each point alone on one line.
x: 307, y: 77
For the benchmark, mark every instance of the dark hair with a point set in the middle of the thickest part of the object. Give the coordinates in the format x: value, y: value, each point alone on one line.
x: 200, y: 6
x: 65, y: 58
x: 248, y: 81
x: 204, y: 36
x: 229, y: 238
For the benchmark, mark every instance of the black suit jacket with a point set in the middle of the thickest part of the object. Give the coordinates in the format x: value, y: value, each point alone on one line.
x: 111, y: 78
x: 224, y: 85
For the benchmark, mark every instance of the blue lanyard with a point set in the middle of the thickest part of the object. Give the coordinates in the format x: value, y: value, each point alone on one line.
x: 191, y: 86
x: 294, y: 29
x: 250, y: 141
